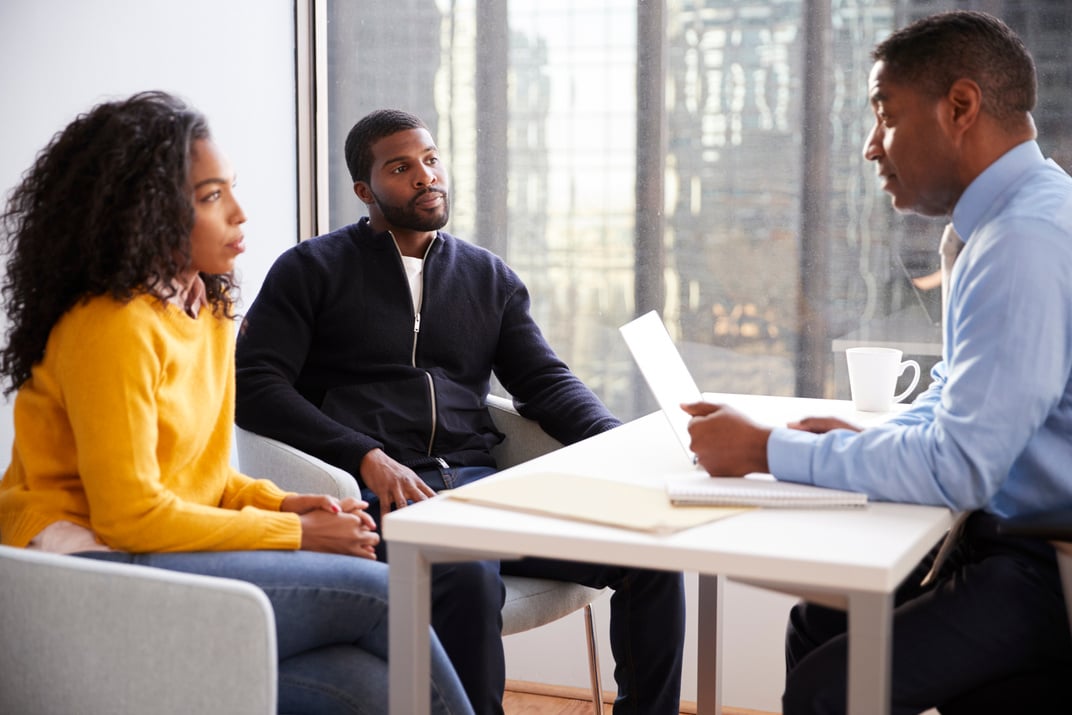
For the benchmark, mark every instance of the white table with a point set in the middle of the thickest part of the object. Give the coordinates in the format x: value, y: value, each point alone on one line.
x: 855, y: 557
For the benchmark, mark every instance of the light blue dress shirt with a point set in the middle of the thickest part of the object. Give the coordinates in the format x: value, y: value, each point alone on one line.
x: 994, y: 429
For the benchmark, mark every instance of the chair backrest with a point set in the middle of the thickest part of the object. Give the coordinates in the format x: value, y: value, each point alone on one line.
x: 84, y: 636
x: 290, y: 468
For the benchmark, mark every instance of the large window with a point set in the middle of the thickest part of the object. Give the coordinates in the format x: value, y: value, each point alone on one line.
x: 698, y: 157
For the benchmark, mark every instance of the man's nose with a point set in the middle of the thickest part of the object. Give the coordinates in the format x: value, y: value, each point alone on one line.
x: 873, y: 143
x: 426, y: 177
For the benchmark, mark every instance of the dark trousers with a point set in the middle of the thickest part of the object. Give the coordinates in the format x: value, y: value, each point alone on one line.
x: 994, y: 618
x: 647, y: 620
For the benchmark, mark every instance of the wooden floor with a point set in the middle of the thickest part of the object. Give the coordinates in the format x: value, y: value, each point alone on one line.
x: 529, y: 704
x: 521, y: 703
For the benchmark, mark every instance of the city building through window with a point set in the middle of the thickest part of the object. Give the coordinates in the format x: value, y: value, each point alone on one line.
x: 698, y: 157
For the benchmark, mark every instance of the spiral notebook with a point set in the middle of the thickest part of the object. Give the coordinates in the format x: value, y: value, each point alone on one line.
x: 702, y: 490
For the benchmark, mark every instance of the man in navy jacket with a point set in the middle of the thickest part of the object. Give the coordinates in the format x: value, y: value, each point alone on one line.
x: 372, y: 348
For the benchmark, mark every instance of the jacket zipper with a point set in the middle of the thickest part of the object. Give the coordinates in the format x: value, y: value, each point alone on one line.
x: 416, y: 335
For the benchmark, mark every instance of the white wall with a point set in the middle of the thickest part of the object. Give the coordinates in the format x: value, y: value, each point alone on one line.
x: 232, y: 59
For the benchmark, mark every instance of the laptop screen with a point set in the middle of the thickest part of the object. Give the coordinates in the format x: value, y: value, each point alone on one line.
x: 664, y: 370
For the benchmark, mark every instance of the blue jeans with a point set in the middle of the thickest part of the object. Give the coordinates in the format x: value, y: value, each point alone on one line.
x: 331, y: 626
x: 647, y: 619
x: 995, y: 615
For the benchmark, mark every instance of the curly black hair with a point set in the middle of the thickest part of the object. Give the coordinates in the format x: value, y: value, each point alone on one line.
x: 106, y: 208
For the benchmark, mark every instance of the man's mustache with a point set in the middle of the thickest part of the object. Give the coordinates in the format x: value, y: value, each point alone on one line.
x: 430, y: 189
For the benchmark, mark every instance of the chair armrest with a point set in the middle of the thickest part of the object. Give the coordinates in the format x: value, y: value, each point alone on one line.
x: 1052, y: 525
x: 89, y: 636
x: 291, y: 469
x: 525, y: 439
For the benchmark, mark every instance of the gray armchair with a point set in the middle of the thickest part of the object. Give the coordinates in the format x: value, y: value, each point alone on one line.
x: 97, y: 638
x: 530, y: 603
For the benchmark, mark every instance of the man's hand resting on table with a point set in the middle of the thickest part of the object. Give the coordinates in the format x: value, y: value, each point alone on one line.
x: 334, y: 526
x: 725, y: 442
x: 822, y: 425
x: 395, y: 484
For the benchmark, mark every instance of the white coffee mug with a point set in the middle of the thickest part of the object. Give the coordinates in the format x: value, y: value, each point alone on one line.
x: 873, y: 374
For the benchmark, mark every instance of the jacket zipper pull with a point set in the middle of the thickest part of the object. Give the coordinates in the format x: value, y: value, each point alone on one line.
x: 417, y: 323
x: 442, y: 462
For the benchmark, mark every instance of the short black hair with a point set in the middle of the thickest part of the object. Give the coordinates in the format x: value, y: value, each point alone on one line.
x: 369, y: 130
x: 936, y: 51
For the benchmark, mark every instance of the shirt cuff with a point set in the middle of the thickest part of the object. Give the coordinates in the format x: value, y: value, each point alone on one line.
x: 789, y: 454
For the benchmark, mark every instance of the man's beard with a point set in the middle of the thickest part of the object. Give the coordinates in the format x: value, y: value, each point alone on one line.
x: 410, y: 218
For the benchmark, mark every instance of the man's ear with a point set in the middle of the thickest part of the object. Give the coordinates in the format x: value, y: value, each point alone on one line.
x: 966, y: 99
x: 364, y: 192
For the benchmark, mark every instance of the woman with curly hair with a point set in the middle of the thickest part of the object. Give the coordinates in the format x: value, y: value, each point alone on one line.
x: 122, y: 240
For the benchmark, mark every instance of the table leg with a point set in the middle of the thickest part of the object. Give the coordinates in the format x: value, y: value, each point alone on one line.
x: 709, y: 646
x: 409, y: 647
x: 870, y: 652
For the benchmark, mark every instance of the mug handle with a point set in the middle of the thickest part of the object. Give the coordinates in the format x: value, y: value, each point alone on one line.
x: 915, y: 379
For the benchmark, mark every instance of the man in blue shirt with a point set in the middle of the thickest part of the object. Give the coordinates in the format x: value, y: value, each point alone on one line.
x: 952, y: 97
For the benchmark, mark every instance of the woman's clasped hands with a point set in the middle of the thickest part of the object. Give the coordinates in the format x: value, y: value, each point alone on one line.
x: 335, y: 526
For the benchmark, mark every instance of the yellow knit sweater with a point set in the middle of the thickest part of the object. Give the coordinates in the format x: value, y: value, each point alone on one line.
x: 125, y: 428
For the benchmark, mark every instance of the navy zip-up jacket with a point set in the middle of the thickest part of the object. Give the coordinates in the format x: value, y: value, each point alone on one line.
x: 333, y: 359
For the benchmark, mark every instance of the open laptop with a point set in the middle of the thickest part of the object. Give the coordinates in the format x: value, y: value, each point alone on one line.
x: 664, y: 370
x: 662, y: 366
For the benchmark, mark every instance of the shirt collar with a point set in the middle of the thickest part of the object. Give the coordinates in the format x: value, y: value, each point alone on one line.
x: 189, y: 298
x: 194, y: 297
x: 985, y: 191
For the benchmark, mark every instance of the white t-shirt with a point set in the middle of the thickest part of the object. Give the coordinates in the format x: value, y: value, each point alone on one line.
x: 414, y: 271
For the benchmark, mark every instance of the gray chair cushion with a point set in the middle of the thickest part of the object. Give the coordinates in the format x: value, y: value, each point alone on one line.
x: 533, y: 602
